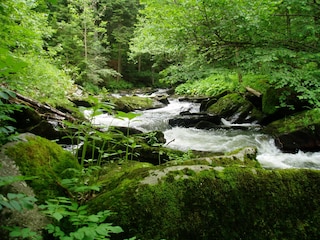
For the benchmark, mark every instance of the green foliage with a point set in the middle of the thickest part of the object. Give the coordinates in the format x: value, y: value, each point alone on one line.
x: 84, y: 133
x: 23, y: 233
x: 222, y: 81
x: 24, y: 65
x: 42, y: 81
x: 83, y: 184
x: 84, y: 225
x: 80, y: 42
x: 17, y: 202
x: 6, y: 109
x: 277, y: 39
x: 119, y: 84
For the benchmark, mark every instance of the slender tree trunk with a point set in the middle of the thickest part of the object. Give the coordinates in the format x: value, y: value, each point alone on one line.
x: 85, y: 41
x: 288, y: 20
x: 139, y: 64
x: 238, y: 68
x: 119, y: 61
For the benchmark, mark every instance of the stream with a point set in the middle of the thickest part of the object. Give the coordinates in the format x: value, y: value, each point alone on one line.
x: 215, y: 140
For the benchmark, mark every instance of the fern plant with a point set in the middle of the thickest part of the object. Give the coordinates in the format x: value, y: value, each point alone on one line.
x: 84, y: 225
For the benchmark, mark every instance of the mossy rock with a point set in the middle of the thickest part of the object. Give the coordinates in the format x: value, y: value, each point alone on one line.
x: 245, y: 157
x: 212, y: 203
x: 131, y: 103
x: 300, y: 131
x: 280, y: 102
x: 235, y: 108
x: 44, y: 159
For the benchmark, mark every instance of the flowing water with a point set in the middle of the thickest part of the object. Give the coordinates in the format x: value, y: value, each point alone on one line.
x: 217, y: 140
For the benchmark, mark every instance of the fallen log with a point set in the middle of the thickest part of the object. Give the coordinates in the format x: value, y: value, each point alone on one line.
x: 254, y: 92
x: 42, y: 109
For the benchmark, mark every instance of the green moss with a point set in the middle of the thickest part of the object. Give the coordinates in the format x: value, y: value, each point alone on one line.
x: 47, y: 161
x: 234, y: 203
x: 227, y: 104
x: 270, y: 100
x: 130, y: 103
x: 306, y: 119
x: 245, y: 157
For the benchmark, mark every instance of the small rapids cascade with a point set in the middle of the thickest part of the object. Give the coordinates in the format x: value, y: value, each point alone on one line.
x: 220, y: 140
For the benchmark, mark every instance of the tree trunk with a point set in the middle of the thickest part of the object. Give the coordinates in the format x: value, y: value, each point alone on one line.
x: 119, y: 61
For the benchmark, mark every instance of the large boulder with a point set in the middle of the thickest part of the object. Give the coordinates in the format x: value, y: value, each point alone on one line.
x: 30, y: 218
x: 205, y: 201
x: 297, y: 132
x: 43, y: 159
x: 236, y: 109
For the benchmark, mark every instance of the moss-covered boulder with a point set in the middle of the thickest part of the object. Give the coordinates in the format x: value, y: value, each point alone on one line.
x: 43, y: 159
x: 9, y: 184
x: 131, y: 103
x: 235, y: 108
x: 278, y: 103
x: 297, y: 132
x: 211, y: 202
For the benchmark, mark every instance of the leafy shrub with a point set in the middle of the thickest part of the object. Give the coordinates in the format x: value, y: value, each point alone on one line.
x: 6, y: 130
x: 42, y: 81
x: 119, y: 84
x: 222, y: 81
x: 210, y: 86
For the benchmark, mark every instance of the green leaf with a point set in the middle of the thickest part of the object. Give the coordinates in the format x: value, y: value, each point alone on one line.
x: 115, y: 229
x: 129, y: 115
x: 102, y: 230
x: 58, y: 216
x: 93, y: 218
x: 78, y: 235
x: 16, y: 205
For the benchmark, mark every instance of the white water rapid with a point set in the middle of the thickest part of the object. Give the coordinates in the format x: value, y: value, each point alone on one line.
x: 218, y: 140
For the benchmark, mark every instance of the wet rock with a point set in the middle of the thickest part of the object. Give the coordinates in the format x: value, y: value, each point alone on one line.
x: 206, y: 103
x: 194, y: 119
x: 193, y: 99
x: 131, y: 103
x: 236, y: 109
x: 162, y: 99
x: 297, y: 132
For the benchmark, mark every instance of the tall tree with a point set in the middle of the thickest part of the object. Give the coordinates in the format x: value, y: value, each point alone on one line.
x: 121, y: 17
x: 81, y: 41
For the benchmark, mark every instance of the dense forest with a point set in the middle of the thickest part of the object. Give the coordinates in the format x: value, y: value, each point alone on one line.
x: 55, y: 54
x: 125, y: 44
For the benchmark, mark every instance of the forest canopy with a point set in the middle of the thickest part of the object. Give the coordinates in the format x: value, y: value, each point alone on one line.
x: 128, y: 43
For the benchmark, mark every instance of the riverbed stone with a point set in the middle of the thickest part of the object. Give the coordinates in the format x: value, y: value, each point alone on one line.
x: 297, y: 132
x: 131, y: 103
x: 194, y: 119
x: 236, y: 109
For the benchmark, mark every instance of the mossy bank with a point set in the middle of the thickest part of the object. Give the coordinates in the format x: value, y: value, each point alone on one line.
x: 208, y: 197
x: 211, y: 202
